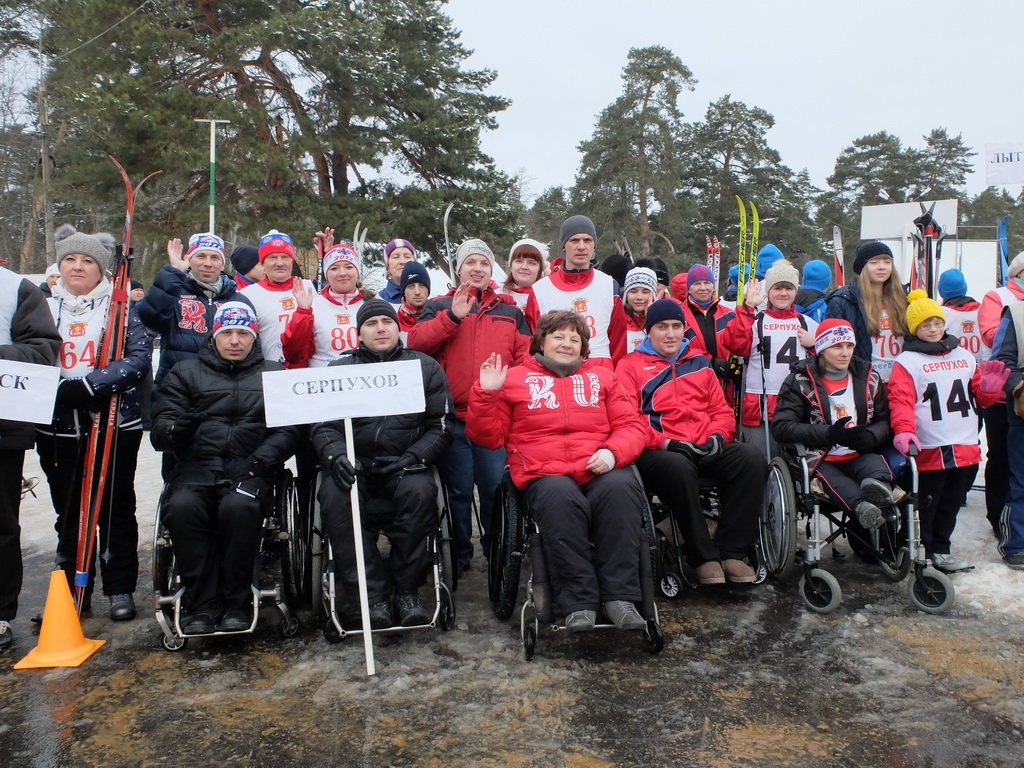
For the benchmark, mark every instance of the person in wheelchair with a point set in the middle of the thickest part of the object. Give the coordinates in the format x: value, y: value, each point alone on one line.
x: 209, y: 414
x: 835, y: 405
x: 397, y: 494
x: 570, y: 434
x: 690, y: 427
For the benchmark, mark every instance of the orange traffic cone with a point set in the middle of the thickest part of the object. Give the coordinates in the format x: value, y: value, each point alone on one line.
x: 61, y: 641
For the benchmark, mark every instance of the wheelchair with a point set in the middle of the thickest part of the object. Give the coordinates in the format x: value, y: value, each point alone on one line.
x: 672, y: 573
x: 331, y: 596
x: 793, y: 495
x: 515, y: 536
x: 280, y: 572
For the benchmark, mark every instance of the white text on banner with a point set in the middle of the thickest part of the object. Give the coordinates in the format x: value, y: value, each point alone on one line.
x: 310, y: 395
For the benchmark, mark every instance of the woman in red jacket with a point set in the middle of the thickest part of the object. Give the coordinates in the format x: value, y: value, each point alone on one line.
x: 570, y: 435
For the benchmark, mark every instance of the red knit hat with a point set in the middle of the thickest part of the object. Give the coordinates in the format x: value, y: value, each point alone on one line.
x: 831, y: 332
x: 275, y: 242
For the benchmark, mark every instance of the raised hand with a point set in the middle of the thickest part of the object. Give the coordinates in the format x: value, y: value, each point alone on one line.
x: 463, y: 301
x: 754, y: 293
x: 492, y: 373
x: 326, y: 237
x: 303, y: 293
x: 174, y: 255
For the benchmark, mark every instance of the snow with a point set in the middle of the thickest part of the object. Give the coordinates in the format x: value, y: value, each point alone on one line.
x: 991, y: 587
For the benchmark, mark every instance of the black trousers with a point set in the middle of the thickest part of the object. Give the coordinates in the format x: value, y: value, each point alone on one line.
x: 842, y: 479
x: 404, y: 508
x: 591, y: 537
x: 117, y: 545
x: 740, y: 470
x: 11, y: 464
x: 216, y: 533
x: 997, y: 466
x: 941, y: 493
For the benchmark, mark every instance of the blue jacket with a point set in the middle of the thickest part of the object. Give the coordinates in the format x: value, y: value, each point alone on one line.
x: 176, y: 307
x: 844, y: 303
x: 390, y: 292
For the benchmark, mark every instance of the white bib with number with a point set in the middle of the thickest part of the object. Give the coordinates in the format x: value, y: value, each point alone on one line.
x: 964, y: 325
x: 274, y: 310
x: 944, y: 411
x: 80, y: 334
x: 594, y: 303
x: 773, y: 352
x: 334, y: 330
x: 885, y: 347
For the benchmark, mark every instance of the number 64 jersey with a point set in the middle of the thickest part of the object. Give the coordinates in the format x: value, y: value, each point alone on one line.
x: 932, y: 393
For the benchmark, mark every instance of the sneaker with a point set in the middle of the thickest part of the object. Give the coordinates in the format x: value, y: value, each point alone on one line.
x: 200, y: 623
x: 738, y: 572
x: 122, y: 607
x: 410, y: 610
x: 949, y: 564
x: 6, y: 636
x: 869, y: 515
x: 580, y: 621
x: 876, y: 492
x: 235, y: 620
x: 1015, y: 561
x: 711, y: 572
x: 380, y: 615
x: 624, y: 615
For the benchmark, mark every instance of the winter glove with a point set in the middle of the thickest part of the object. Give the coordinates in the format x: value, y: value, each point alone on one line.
x: 73, y: 392
x: 343, y: 472
x: 925, y: 221
x: 722, y: 367
x: 253, y: 487
x: 385, y: 466
x: 687, y: 449
x: 994, y: 374
x: 713, y: 445
x: 904, y: 440
x: 859, y: 439
x: 836, y: 431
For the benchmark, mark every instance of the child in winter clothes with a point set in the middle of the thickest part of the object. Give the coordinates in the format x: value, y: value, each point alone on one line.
x: 780, y: 336
x: 931, y: 398
x: 638, y: 291
x: 834, y: 404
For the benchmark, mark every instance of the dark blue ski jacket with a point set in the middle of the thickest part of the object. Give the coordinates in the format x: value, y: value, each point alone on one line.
x: 844, y: 303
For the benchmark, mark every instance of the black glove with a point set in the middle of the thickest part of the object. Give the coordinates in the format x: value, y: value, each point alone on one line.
x: 73, y: 392
x: 343, y: 472
x: 722, y: 367
x: 690, y: 450
x: 858, y: 439
x: 239, y: 470
x: 713, y: 446
x: 837, y: 430
x: 924, y: 221
x: 390, y: 465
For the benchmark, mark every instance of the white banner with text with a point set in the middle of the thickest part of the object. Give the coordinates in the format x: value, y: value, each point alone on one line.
x: 27, y: 391
x: 1004, y: 164
x: 310, y: 395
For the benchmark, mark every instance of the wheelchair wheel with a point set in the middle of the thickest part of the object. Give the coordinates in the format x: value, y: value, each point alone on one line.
x: 449, y: 573
x: 931, y: 591
x: 173, y: 644
x: 295, y: 559
x: 446, y: 620
x: 288, y: 627
x: 529, y: 641
x: 670, y: 584
x: 820, y: 591
x: 654, y: 636
x: 331, y: 633
x: 777, y: 522
x: 506, y: 550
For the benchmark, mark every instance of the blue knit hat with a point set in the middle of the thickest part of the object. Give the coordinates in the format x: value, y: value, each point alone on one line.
x: 662, y: 310
x: 767, y: 256
x: 734, y: 275
x: 817, y: 276
x: 952, y: 284
x: 414, y: 272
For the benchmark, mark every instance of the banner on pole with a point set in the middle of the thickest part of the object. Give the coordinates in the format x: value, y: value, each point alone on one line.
x: 1004, y: 164
x: 310, y: 395
x: 27, y: 391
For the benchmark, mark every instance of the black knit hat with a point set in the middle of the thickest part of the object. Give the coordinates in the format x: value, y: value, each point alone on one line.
x: 414, y: 272
x: 662, y: 310
x: 244, y: 258
x: 374, y: 308
x: 868, y: 251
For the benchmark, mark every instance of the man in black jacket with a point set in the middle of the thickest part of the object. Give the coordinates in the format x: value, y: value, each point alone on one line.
x: 397, y: 493
x: 28, y: 335
x: 209, y: 412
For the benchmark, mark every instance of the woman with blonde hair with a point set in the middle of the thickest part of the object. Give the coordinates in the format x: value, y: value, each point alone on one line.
x: 875, y: 305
